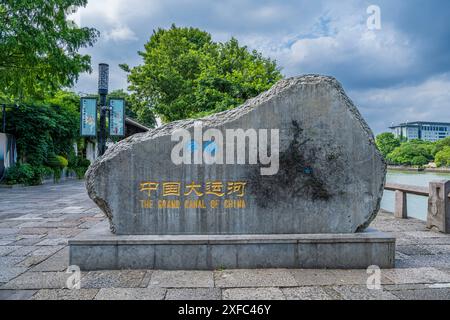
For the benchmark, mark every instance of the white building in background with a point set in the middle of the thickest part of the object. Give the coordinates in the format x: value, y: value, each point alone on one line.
x: 428, y: 131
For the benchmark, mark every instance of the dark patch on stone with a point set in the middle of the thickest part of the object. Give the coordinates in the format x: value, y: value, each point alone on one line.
x: 295, y: 179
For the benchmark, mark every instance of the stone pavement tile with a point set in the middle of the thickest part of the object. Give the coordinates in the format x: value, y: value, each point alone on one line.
x: 16, y: 294
x: 9, y: 261
x: 63, y: 232
x: 38, y: 280
x: 416, y: 275
x: 6, y: 242
x: 424, y: 234
x: 424, y: 261
x: 33, y: 231
x: 355, y: 276
x: 430, y: 241
x: 67, y: 223
x: 73, y: 209
x: 8, y: 273
x: 194, y: 294
x: 438, y: 249
x: 29, y: 241
x: 314, y: 277
x: 29, y: 216
x: 5, y: 250
x: 253, y: 294
x: 8, y: 231
x: 9, y: 224
x: 46, y: 250
x: 182, y: 279
x: 57, y: 262
x: 310, y: 293
x: 31, y: 224
x: 31, y: 261
x: 65, y: 294
x: 362, y: 293
x: 146, y: 280
x: 112, y: 279
x: 53, y: 242
x: 413, y: 250
x: 88, y: 224
x: 23, y: 251
x: 131, y: 294
x: 254, y: 278
x: 423, y: 294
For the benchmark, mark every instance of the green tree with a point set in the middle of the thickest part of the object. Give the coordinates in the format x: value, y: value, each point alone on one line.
x: 440, y: 144
x: 43, y: 129
x: 39, y: 47
x: 442, y: 157
x: 186, y: 75
x: 414, y: 152
x: 386, y: 143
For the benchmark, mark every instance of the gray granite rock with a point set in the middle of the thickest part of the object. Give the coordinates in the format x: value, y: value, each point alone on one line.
x: 327, y: 159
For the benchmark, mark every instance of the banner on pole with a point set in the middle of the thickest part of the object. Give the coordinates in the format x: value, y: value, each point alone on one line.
x: 88, y: 114
x: 117, y: 117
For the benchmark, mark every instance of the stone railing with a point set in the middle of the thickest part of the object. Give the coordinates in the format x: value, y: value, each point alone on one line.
x: 438, y: 215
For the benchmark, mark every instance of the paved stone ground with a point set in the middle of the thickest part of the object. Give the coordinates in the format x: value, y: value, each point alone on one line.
x: 36, y: 222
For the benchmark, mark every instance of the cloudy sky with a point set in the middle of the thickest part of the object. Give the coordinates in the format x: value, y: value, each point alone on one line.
x: 398, y: 73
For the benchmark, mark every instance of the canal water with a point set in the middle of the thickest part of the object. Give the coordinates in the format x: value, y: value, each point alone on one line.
x: 417, y: 205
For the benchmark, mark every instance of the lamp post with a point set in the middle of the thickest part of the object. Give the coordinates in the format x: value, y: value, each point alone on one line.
x: 103, y: 79
x: 4, y: 118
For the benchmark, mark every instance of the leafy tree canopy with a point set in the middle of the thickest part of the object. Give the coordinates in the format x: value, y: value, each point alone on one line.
x: 386, y: 143
x: 44, y: 129
x: 442, y: 157
x: 414, y: 152
x: 439, y: 145
x: 186, y: 75
x: 39, y: 47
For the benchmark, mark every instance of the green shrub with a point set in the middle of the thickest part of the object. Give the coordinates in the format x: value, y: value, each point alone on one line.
x: 80, y: 172
x: 19, y: 174
x: 26, y: 174
x: 85, y: 163
x: 79, y: 165
x: 57, y: 163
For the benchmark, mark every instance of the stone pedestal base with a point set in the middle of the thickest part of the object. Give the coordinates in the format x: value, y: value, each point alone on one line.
x: 98, y: 249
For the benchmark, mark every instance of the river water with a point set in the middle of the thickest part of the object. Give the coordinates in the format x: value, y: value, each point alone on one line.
x: 417, y: 205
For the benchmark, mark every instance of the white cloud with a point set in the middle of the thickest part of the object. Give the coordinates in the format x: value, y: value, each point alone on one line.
x: 426, y: 101
x: 121, y: 33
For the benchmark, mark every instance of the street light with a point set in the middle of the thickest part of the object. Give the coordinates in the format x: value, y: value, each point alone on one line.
x: 103, y: 79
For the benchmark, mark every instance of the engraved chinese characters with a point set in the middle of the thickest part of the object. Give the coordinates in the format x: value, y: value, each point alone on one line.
x: 168, y: 195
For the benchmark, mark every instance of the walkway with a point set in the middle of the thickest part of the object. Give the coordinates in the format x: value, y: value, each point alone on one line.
x: 36, y: 222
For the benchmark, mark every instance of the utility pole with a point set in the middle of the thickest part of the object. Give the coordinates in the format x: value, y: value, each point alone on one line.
x: 103, y: 79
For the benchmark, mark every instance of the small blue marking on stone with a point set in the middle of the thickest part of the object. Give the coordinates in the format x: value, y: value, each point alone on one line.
x: 307, y: 170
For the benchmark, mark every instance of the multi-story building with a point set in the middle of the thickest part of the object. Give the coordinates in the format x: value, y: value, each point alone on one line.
x: 428, y: 131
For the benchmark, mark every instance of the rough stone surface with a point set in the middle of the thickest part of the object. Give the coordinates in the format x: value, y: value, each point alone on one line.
x: 131, y: 294
x: 182, y: 279
x: 194, y: 294
x: 253, y: 294
x: 327, y: 160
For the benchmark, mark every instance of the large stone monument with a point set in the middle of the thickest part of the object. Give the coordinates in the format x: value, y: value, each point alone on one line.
x: 292, y: 178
